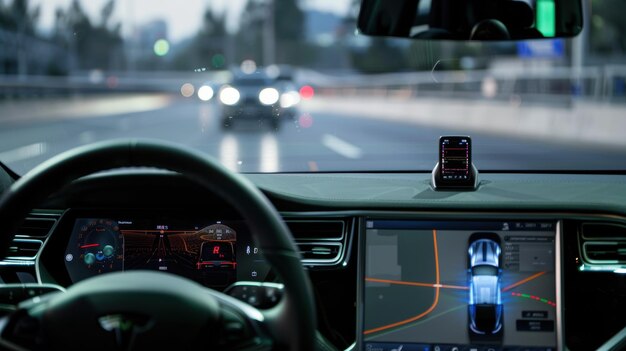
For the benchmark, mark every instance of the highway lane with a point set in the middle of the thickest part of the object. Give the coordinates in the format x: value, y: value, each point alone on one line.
x: 323, y: 140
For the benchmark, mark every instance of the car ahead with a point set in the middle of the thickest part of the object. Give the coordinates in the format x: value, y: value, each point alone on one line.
x: 250, y: 96
x: 216, y: 254
x: 485, y: 304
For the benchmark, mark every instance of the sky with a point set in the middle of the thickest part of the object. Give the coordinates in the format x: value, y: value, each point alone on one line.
x: 184, y: 17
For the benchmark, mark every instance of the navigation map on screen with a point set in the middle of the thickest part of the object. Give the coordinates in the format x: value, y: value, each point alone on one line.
x: 459, y: 286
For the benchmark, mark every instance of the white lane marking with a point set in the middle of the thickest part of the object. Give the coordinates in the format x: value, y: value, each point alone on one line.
x: 23, y: 152
x: 229, y: 152
x: 269, y: 154
x: 341, y: 147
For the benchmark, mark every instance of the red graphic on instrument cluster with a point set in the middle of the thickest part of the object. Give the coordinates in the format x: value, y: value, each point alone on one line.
x: 216, y: 254
x: 206, y: 255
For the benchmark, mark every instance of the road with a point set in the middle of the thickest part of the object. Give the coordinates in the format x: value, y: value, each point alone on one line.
x: 318, y: 140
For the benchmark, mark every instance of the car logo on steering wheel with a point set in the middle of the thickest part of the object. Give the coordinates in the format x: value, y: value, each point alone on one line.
x: 125, y: 327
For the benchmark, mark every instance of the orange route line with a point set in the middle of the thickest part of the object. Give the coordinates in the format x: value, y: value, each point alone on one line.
x: 429, y: 285
x: 430, y: 309
x: 526, y: 280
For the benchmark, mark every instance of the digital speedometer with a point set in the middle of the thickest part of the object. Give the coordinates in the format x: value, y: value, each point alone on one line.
x: 97, y: 247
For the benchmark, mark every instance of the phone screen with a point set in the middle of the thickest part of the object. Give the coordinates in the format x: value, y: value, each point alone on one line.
x: 455, y: 158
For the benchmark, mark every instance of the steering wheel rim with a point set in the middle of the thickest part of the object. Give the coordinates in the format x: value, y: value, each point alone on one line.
x: 294, y: 315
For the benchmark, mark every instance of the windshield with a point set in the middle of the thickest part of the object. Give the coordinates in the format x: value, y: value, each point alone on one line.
x: 484, y: 270
x: 74, y: 72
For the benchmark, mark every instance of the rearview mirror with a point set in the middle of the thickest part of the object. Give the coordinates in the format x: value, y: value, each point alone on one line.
x: 471, y: 19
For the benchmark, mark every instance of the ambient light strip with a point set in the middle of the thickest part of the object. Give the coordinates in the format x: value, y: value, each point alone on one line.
x: 536, y: 298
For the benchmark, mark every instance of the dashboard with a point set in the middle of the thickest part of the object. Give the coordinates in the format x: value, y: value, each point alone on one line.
x: 509, y: 266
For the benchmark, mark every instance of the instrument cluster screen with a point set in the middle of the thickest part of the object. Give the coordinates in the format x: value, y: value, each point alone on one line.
x: 212, y: 253
x: 458, y: 285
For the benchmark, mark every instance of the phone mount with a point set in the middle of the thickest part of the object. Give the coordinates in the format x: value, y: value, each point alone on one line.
x: 439, y: 183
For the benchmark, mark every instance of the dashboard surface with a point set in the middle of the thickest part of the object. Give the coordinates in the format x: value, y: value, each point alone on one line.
x: 566, y: 200
x: 496, y: 191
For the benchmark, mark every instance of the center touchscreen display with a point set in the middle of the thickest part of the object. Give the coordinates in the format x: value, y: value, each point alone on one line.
x: 452, y: 286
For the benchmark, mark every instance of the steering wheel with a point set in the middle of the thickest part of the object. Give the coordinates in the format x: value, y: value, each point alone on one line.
x: 152, y: 310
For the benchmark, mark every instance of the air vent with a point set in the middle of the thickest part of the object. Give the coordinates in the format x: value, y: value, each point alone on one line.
x: 24, y: 249
x: 605, y: 251
x: 610, y: 231
x: 30, y: 237
x: 603, y: 245
x: 322, y: 242
x: 317, y: 230
x: 35, y: 227
x: 320, y: 252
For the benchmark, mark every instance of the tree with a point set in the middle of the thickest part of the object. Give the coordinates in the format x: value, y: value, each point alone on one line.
x: 287, y: 25
x: 94, y: 46
x: 380, y: 57
x: 608, y: 28
x: 289, y: 32
x: 20, y: 20
x: 288, y: 21
x: 19, y: 17
x: 207, y: 49
x: 249, y: 38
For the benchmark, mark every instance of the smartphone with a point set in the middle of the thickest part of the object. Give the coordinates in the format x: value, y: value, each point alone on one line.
x: 455, y: 160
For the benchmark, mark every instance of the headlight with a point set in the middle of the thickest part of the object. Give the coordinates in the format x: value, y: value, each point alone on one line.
x: 289, y: 99
x: 205, y: 93
x: 229, y: 96
x: 269, y: 96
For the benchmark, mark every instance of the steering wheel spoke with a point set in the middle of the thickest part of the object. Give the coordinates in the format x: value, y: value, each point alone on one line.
x: 229, y: 324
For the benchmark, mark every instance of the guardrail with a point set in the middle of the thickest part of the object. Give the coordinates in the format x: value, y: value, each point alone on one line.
x: 12, y: 86
x: 549, y: 84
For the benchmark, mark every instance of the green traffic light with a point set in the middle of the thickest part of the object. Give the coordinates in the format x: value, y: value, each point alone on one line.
x: 161, y: 47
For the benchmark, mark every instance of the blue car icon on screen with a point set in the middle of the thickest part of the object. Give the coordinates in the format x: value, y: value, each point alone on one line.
x: 485, y: 303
